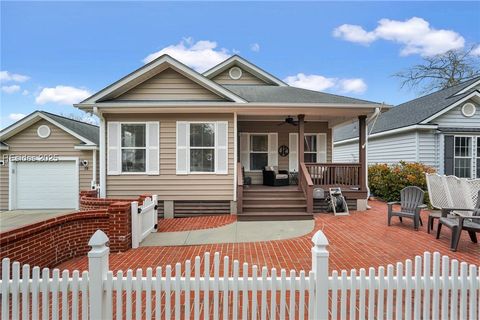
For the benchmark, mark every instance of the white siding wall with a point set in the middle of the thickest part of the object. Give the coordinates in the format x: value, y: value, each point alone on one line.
x: 347, y: 152
x: 428, y: 148
x: 455, y: 119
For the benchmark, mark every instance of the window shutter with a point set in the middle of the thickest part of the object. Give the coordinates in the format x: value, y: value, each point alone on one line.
x: 114, y: 156
x: 183, y: 134
x: 321, y: 148
x: 221, y: 146
x: 448, y: 157
x: 245, y: 150
x: 153, y: 150
x: 273, y: 149
x: 293, y: 154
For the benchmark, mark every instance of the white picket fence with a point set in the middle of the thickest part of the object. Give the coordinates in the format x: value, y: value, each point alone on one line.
x: 432, y: 287
x: 144, y: 219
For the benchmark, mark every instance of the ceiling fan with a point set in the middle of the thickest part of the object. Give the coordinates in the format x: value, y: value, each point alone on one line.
x: 289, y: 120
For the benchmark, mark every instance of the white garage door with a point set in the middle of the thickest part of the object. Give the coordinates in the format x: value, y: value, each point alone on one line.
x: 46, y: 185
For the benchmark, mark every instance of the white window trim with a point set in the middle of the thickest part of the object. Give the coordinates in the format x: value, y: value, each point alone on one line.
x: 133, y: 148
x: 250, y: 134
x: 214, y: 123
x: 472, y: 155
x: 316, y: 153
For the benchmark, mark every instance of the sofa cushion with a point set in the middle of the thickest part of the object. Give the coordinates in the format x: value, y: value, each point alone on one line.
x: 281, y: 176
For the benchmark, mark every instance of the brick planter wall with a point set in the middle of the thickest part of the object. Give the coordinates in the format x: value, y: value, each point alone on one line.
x: 53, y: 241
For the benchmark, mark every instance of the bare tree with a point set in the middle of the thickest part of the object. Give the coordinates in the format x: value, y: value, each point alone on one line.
x: 84, y: 117
x: 441, y: 71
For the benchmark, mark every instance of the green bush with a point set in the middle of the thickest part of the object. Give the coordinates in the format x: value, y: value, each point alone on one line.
x: 386, y: 181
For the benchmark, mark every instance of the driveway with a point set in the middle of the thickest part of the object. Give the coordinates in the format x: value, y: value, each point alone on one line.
x: 14, y: 219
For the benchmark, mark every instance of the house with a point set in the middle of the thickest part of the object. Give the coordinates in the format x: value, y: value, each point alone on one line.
x: 45, y: 160
x: 166, y: 129
x: 441, y: 129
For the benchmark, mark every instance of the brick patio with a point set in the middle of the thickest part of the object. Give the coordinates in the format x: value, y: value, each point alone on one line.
x: 360, y: 240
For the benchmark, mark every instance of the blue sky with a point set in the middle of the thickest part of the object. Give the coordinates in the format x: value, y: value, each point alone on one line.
x: 55, y: 53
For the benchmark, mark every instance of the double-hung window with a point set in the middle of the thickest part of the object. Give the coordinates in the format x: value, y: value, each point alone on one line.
x: 258, y: 151
x: 134, y: 150
x: 202, y: 147
x: 463, y: 157
x: 310, y: 148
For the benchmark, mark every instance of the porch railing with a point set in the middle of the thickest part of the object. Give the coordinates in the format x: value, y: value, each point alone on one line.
x: 239, y: 188
x: 306, y: 185
x: 335, y: 174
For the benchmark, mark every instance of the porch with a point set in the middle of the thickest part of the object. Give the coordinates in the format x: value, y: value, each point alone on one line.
x: 307, y: 163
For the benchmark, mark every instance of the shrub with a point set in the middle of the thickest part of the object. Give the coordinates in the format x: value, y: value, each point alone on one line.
x: 386, y: 181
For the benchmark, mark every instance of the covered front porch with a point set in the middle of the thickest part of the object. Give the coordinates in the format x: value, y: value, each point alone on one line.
x: 300, y: 149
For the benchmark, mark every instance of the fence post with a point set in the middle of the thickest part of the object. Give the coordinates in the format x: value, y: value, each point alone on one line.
x: 320, y: 269
x: 97, y: 272
x: 135, y: 235
x: 155, y: 210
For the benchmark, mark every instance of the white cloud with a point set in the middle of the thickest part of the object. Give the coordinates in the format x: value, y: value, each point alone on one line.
x: 476, y: 51
x: 255, y: 47
x: 321, y: 83
x: 6, y: 76
x: 415, y: 34
x: 352, y: 85
x: 200, y: 55
x: 16, y: 116
x: 11, y: 89
x: 25, y: 92
x: 62, y: 95
x: 310, y: 81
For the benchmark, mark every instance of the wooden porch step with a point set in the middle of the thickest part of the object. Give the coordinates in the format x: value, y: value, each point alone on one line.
x: 268, y: 216
x: 272, y: 194
x: 274, y: 200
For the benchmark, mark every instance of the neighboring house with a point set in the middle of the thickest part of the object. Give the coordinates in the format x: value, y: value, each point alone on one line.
x: 45, y: 160
x: 166, y: 129
x: 441, y: 130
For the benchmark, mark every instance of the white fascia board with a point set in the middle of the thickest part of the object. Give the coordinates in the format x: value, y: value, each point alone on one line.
x: 4, y: 147
x: 248, y: 66
x: 389, y: 132
x: 450, y: 107
x: 156, y: 64
x: 476, y: 83
x: 34, y: 117
x: 86, y: 147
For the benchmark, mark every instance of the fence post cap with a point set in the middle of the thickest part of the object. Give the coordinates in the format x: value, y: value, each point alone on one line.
x: 319, y: 239
x: 98, y: 240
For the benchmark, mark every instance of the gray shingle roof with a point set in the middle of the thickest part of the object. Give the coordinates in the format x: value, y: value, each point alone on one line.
x: 86, y: 130
x: 411, y: 112
x: 276, y: 94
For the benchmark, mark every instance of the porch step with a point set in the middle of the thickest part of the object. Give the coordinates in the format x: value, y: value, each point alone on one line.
x: 275, y: 208
x: 273, y: 200
x: 268, y: 216
x: 272, y: 194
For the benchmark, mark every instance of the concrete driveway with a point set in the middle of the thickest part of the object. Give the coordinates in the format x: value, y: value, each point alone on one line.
x: 237, y: 232
x: 18, y: 218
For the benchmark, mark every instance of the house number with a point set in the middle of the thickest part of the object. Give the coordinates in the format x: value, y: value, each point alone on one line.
x: 283, y: 151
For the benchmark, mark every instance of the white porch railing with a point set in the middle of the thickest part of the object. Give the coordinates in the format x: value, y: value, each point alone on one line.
x: 432, y: 287
x: 144, y: 219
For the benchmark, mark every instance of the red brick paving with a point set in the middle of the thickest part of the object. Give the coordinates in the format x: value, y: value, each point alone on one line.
x: 194, y: 223
x: 360, y: 240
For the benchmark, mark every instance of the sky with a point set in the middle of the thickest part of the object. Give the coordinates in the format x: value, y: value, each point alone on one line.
x: 54, y: 54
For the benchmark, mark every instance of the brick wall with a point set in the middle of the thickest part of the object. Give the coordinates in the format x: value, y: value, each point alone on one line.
x: 53, y: 241
x: 90, y: 201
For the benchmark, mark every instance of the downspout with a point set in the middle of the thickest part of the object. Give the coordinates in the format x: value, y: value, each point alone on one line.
x: 372, y: 119
x: 102, y: 154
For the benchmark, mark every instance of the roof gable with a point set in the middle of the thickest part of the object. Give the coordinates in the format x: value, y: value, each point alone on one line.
x: 151, y: 69
x: 170, y: 85
x: 87, y: 133
x: 246, y: 78
x: 246, y: 66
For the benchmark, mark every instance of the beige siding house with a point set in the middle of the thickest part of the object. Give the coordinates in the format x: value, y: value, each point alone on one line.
x: 45, y: 160
x: 196, y: 140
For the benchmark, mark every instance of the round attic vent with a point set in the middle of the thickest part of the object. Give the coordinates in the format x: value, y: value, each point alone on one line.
x: 43, y: 131
x: 468, y: 109
x: 235, y: 73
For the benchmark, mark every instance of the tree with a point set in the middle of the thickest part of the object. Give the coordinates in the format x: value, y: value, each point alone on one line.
x: 441, y: 71
x: 84, y: 117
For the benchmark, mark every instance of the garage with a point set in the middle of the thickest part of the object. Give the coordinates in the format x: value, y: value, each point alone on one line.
x: 45, y: 185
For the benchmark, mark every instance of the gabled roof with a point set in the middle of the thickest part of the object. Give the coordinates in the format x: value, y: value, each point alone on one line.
x: 275, y: 94
x: 415, y: 111
x: 150, y: 69
x: 236, y: 60
x: 85, y: 132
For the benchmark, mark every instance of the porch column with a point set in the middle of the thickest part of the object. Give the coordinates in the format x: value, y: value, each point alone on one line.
x: 362, y: 154
x: 301, y: 135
